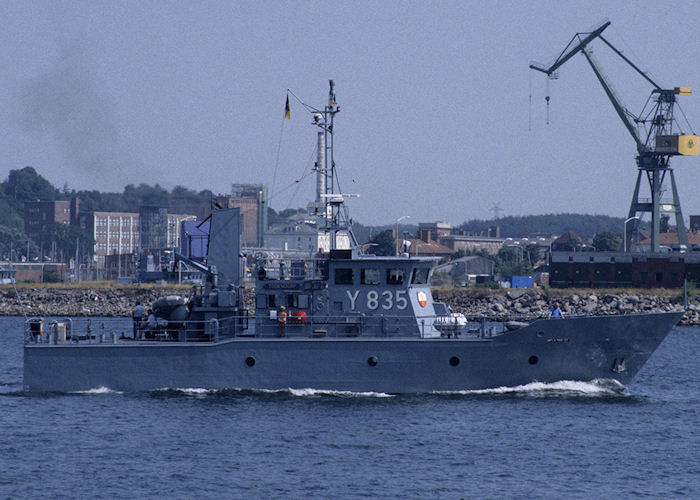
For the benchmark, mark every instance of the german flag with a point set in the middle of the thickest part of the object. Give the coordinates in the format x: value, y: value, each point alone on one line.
x: 287, y: 113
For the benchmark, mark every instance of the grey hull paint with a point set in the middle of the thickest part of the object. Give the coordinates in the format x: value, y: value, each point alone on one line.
x: 585, y: 348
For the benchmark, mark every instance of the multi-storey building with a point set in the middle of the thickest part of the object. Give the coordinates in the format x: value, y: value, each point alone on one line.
x: 432, y: 231
x: 120, y: 233
x: 251, y: 199
x: 39, y: 216
x: 112, y: 232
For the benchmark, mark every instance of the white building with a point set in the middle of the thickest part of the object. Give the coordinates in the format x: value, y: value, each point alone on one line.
x: 299, y: 235
x: 118, y: 232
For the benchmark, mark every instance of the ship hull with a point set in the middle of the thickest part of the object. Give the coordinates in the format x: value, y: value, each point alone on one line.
x: 584, y: 348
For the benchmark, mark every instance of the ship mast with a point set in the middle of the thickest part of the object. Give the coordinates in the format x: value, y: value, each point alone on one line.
x: 329, y: 205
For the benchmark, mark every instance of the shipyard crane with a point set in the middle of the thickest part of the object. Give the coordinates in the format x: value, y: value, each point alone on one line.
x: 655, y: 131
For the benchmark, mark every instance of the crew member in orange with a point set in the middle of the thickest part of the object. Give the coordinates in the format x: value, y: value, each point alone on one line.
x: 282, y: 320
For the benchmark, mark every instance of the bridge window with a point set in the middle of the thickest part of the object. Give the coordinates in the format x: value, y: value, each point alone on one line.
x: 420, y: 276
x: 394, y: 276
x: 343, y: 276
x: 370, y: 276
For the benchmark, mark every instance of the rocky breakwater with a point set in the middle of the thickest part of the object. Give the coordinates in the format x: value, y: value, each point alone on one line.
x: 118, y: 301
x: 529, y: 304
x: 114, y: 301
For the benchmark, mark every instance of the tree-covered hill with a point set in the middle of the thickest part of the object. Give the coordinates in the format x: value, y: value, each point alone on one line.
x: 26, y: 184
x: 586, y: 226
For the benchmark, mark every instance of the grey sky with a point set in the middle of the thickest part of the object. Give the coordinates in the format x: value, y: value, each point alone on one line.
x: 434, y: 98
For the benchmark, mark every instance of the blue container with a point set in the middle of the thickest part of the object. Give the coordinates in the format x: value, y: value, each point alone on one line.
x: 522, y: 282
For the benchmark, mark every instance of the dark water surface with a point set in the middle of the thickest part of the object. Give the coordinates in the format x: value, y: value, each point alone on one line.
x: 563, y: 440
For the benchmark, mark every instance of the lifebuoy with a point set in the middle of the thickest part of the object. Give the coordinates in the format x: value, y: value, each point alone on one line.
x: 299, y: 317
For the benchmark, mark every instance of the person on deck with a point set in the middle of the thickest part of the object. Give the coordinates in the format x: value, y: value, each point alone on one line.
x: 151, y: 324
x: 138, y: 314
x: 282, y: 320
x: 555, y: 311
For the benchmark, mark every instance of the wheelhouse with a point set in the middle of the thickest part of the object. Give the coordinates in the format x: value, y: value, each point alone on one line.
x: 344, y: 289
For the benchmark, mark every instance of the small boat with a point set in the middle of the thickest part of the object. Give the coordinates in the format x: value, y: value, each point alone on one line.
x: 337, y: 320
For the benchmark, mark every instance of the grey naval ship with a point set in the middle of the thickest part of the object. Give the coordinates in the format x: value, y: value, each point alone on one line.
x: 339, y: 320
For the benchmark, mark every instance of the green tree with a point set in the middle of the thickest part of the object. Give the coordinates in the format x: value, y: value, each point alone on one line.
x: 26, y: 185
x: 65, y: 239
x: 606, y: 241
x: 383, y: 243
x: 14, y: 244
x: 146, y: 195
x: 288, y: 212
x: 11, y: 212
x: 512, y: 261
x: 532, y: 253
x: 571, y: 245
x: 515, y: 226
x: 51, y: 277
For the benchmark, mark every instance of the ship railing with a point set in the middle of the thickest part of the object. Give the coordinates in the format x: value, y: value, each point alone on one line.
x: 211, y: 330
x: 82, y: 330
x: 90, y: 330
x: 57, y: 330
x: 359, y: 325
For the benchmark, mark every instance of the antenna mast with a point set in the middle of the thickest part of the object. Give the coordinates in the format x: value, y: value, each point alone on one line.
x: 329, y: 206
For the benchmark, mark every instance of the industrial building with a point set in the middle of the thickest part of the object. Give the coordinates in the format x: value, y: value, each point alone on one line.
x: 252, y: 200
x: 623, y: 269
x: 32, y: 272
x: 442, y: 233
x: 120, y: 232
x: 457, y: 242
x: 433, y: 231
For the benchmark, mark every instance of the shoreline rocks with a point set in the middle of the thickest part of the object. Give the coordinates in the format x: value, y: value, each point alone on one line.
x: 115, y: 301
x: 535, y: 304
x: 94, y: 301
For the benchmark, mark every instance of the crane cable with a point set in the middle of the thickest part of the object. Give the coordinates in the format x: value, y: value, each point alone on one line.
x: 529, y: 108
x: 546, y: 98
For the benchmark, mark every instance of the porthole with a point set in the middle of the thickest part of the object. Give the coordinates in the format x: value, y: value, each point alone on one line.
x: 372, y: 361
x: 250, y: 361
x: 540, y: 333
x: 533, y: 360
x: 454, y: 361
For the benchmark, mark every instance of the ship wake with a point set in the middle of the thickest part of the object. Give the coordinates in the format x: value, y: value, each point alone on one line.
x: 98, y: 390
x: 301, y: 393
x: 562, y: 388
